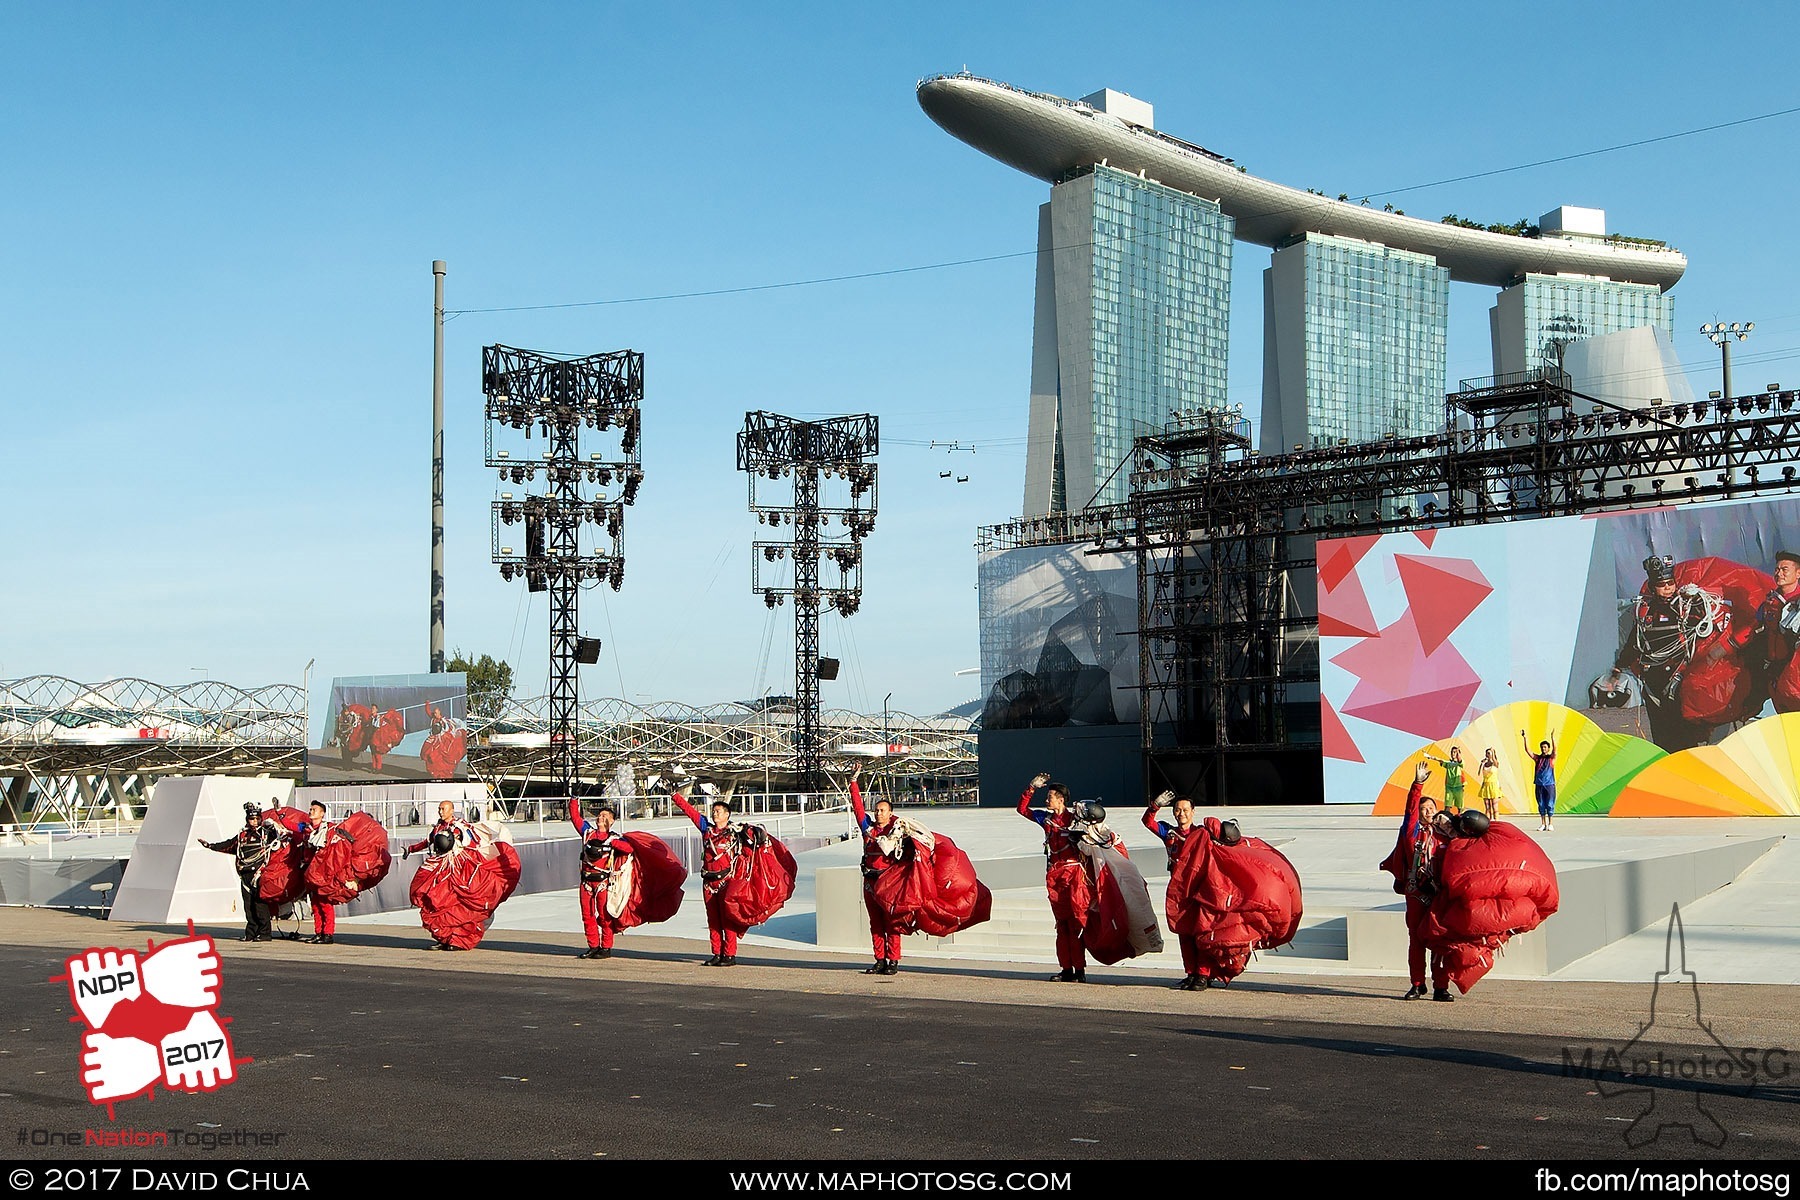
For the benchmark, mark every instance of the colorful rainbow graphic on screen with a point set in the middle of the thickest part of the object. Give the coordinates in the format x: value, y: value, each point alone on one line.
x: 1593, y: 767
x: 1754, y: 772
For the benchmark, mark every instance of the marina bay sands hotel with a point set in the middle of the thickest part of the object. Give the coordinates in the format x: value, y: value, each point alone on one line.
x: 1134, y: 287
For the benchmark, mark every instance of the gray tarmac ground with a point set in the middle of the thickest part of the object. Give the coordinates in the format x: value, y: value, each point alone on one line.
x: 376, y: 1048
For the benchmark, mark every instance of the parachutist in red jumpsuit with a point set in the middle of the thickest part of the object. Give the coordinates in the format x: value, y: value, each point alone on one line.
x: 720, y: 842
x: 1174, y: 838
x: 885, y: 845
x: 1413, y: 863
x: 1067, y: 875
x: 316, y: 832
x: 603, y: 853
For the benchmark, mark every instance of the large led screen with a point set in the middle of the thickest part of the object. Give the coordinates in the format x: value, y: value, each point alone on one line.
x: 1660, y: 638
x: 389, y: 728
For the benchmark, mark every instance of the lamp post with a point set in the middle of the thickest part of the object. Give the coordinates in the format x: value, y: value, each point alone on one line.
x: 885, y: 743
x: 306, y: 699
x: 1721, y: 335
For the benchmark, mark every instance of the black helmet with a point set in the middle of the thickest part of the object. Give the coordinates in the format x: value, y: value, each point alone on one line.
x: 1471, y: 823
x: 1229, y: 833
x: 1093, y: 812
x: 442, y: 841
x: 592, y: 850
x: 252, y: 810
x: 1659, y: 568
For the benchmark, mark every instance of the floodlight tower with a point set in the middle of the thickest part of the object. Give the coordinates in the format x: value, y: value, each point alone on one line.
x: 559, y: 397
x: 1720, y: 335
x: 770, y: 448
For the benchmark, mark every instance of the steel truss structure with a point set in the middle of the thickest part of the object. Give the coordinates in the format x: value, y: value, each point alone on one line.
x: 773, y: 448
x: 559, y: 398
x: 723, y: 741
x: 70, y: 751
x: 1224, y: 537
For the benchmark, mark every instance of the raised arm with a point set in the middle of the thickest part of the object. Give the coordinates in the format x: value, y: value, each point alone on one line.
x: 856, y: 804
x: 1025, y: 810
x: 575, y: 817
x: 692, y: 813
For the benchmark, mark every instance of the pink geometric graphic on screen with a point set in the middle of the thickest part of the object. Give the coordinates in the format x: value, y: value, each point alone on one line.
x: 1404, y: 685
x: 1337, y: 740
x: 1426, y: 536
x: 1440, y: 594
x: 1344, y: 610
x: 1431, y: 715
x: 1337, y: 559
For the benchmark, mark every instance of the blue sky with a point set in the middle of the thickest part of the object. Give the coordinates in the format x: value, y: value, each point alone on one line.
x: 215, y: 288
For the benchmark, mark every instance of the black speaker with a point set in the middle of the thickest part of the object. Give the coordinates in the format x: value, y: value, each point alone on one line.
x: 587, y: 650
x: 828, y: 668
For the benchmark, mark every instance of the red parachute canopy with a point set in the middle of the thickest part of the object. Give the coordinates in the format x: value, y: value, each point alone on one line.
x: 934, y: 891
x: 456, y: 894
x: 283, y: 880
x: 1123, y: 923
x: 1489, y: 888
x: 1715, y: 691
x: 1235, y: 899
x: 442, y: 751
x: 386, y: 736
x: 1785, y: 689
x: 761, y: 880
x: 657, y: 876
x: 354, y: 859
x: 356, y: 740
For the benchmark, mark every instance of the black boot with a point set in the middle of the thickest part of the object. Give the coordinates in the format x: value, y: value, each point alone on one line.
x: 1080, y: 974
x: 1415, y: 992
x: 715, y: 961
x: 1442, y: 996
x: 880, y: 968
x: 730, y: 960
x: 890, y: 966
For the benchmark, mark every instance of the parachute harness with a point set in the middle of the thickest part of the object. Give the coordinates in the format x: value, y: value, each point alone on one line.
x: 1698, y: 615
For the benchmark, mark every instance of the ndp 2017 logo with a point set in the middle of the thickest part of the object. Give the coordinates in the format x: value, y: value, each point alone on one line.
x: 150, y: 1019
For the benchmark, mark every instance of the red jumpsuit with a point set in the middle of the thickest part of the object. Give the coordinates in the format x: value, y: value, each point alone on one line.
x: 718, y: 848
x: 1174, y: 838
x: 1411, y: 864
x: 597, y: 877
x: 1067, y: 880
x: 876, y: 860
x: 324, y: 915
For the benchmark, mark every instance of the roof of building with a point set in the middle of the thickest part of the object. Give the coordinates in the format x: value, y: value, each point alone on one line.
x: 1050, y: 137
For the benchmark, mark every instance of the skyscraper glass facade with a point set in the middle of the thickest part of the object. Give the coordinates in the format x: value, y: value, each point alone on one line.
x: 1537, y: 316
x: 1138, y: 301
x: 1161, y: 313
x: 1359, y: 333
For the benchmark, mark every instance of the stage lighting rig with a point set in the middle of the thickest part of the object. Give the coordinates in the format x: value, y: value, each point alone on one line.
x: 573, y: 537
x: 776, y: 452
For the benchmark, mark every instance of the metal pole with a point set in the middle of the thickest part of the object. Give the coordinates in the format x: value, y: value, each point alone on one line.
x: 886, y: 741
x: 1725, y: 347
x: 437, y: 466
